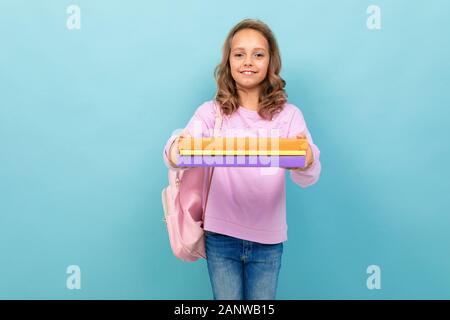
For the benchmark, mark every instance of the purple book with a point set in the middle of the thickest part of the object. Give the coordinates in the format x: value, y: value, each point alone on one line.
x: 242, y: 161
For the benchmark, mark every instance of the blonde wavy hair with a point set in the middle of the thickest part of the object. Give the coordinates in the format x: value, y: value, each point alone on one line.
x: 272, y: 96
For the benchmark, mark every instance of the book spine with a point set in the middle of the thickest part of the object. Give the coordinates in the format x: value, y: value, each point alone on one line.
x: 241, y: 153
x: 242, y: 161
x: 246, y: 143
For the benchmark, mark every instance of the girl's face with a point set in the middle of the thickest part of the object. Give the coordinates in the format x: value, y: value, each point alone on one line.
x: 249, y: 58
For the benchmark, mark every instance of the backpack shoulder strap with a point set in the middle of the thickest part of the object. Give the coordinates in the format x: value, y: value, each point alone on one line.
x: 216, y: 132
x: 218, y: 120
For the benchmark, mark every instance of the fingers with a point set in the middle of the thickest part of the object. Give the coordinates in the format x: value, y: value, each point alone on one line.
x: 185, y: 134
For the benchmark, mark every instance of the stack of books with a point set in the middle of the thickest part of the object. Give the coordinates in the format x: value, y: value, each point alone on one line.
x: 242, y: 152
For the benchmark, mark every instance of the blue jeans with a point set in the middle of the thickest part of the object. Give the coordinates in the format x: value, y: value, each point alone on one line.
x: 241, y: 269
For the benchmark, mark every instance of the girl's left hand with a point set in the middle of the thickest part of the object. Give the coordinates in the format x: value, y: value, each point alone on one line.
x: 309, y: 154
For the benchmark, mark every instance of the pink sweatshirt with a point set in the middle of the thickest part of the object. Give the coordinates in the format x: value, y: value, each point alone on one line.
x: 250, y: 202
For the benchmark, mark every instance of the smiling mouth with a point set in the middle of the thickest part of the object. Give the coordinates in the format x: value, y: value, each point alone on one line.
x: 248, y: 72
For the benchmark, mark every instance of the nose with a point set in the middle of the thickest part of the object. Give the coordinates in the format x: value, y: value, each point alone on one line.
x: 248, y: 61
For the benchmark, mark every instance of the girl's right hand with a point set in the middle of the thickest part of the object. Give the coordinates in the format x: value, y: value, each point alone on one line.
x: 175, y: 150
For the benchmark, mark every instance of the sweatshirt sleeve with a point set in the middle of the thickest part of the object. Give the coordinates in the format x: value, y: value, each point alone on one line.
x: 200, y: 125
x: 311, y: 175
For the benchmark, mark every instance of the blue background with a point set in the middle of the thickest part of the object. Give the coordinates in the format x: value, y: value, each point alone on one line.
x: 84, y: 115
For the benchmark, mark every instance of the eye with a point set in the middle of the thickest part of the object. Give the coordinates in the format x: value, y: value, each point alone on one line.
x: 259, y: 55
x: 238, y: 55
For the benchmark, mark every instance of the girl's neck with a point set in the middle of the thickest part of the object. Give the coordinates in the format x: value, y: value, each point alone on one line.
x: 249, y: 99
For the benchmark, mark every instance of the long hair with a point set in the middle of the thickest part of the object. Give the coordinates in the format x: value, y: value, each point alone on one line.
x: 272, y: 96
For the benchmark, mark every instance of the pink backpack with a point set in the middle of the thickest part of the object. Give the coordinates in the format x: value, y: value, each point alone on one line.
x: 184, y: 206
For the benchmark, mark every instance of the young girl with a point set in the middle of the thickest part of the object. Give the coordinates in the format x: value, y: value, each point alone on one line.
x: 245, y: 218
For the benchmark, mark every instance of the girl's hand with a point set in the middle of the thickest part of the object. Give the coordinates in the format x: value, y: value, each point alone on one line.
x: 175, y: 150
x: 309, y: 155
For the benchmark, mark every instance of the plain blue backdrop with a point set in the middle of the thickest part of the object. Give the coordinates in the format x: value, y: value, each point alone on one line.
x: 84, y: 116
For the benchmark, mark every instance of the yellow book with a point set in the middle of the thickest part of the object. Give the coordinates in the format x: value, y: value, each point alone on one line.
x: 242, y: 153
